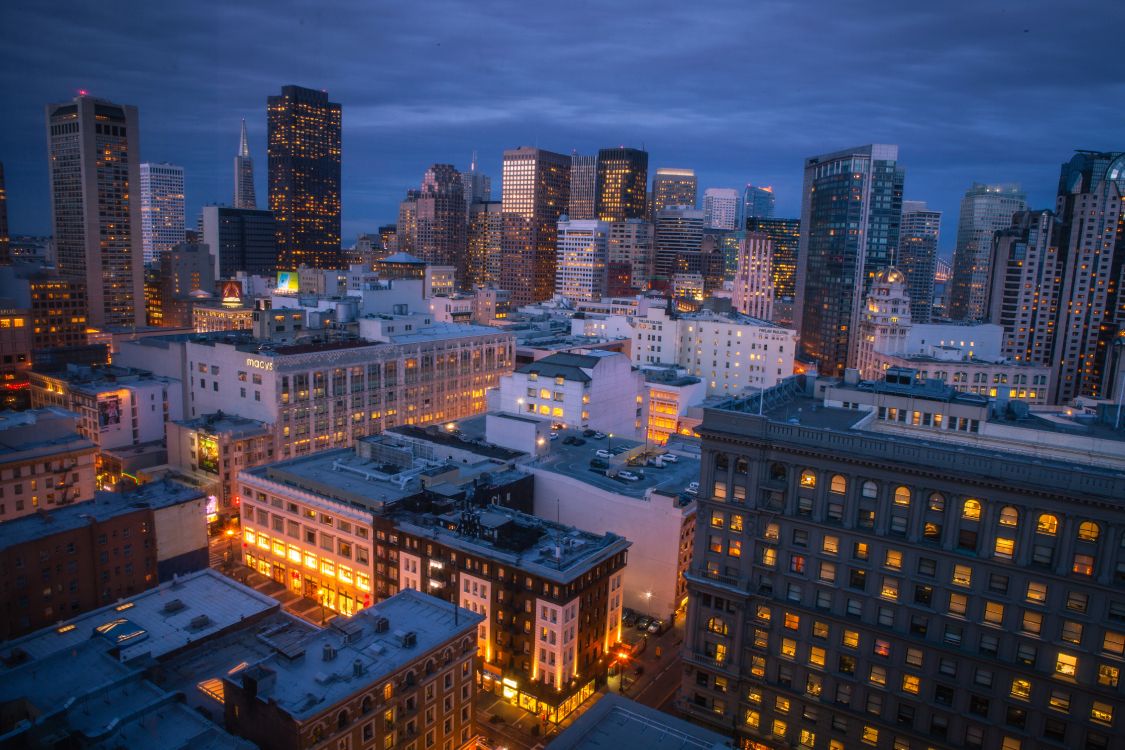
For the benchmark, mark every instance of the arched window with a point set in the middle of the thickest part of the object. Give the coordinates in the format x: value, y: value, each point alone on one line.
x: 808, y: 478
x: 365, y: 706
x: 388, y: 691
x: 1088, y: 532
x: 742, y: 466
x: 342, y: 719
x: 839, y: 484
x: 902, y: 496
x: 777, y: 472
x: 430, y: 666
x: 717, y: 625
x: 870, y: 490
x: 411, y: 678
x: 1009, y: 516
x: 970, y: 511
x: 722, y: 462
x: 937, y: 502
x: 1047, y: 524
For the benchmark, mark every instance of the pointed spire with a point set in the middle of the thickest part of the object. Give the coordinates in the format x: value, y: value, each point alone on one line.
x: 473, y: 165
x: 243, y: 145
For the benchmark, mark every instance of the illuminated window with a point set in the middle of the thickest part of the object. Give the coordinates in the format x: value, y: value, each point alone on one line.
x: 1032, y: 622
x: 1083, y: 565
x: 792, y: 620
x: 734, y: 548
x: 1108, y: 675
x: 870, y: 735
x: 1101, y: 713
x: 993, y: 613
x: 937, y: 502
x: 763, y: 613
x: 735, y: 521
x: 1066, y: 664
x: 717, y: 625
x: 902, y: 496
x: 970, y: 511
x: 1059, y: 701
x: 808, y: 478
x: 830, y: 545
x: 772, y: 532
x: 849, y: 639
x: 1005, y: 549
x: 870, y: 490
x: 781, y: 705
x: 816, y: 656
x: 1011, y: 743
x: 911, y: 684
x: 718, y: 519
x: 893, y: 559
x: 958, y: 603
x: 878, y: 675
x: 1009, y: 516
x: 881, y: 647
x: 1088, y: 532
x: 962, y: 575
x: 808, y: 739
x: 1047, y: 524
x: 779, y: 728
x: 788, y: 647
x: 1021, y: 688
x: 839, y: 484
x: 752, y: 719
x: 1037, y: 592
x: 758, y: 666
x: 1114, y: 643
x: 889, y: 589
x: 827, y: 572
x: 769, y: 556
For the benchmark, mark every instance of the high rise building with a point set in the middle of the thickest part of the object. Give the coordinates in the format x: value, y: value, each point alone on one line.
x: 1091, y: 244
x: 753, y: 281
x: 93, y: 147
x: 388, y: 237
x: 720, y: 208
x: 674, y: 187
x: 622, y: 184
x: 162, y: 208
x: 182, y: 272
x: 630, y: 248
x: 535, y: 193
x: 677, y: 242
x: 240, y: 239
x: 486, y: 229
x: 304, y: 177
x: 850, y: 216
x: 757, y: 202
x: 917, y: 256
x: 785, y: 236
x: 406, y: 230
x: 580, y: 265
x: 4, y: 236
x: 476, y: 185
x: 582, y: 205
x: 985, y: 210
x: 440, y: 216
x: 244, y: 194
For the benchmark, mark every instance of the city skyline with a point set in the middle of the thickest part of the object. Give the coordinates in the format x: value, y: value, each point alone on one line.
x: 406, y: 122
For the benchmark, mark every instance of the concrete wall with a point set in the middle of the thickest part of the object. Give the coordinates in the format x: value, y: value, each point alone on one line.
x: 181, y: 537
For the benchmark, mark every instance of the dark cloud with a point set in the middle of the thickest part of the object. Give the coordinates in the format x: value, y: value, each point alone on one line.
x: 740, y: 90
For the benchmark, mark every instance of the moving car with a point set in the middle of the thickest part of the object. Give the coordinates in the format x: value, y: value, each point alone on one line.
x: 628, y: 476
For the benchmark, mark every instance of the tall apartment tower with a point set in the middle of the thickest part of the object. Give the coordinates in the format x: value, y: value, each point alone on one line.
x: 162, y: 209
x: 95, y: 174
x: 757, y: 202
x: 5, y: 238
x: 583, y: 187
x: 622, y: 184
x: 630, y: 247
x: 304, y: 177
x: 244, y: 195
x: 917, y: 256
x: 580, y: 274
x: 720, y: 208
x: 674, y: 187
x: 985, y: 210
x: 678, y: 243
x: 486, y: 228
x: 860, y: 188
x: 535, y: 192
x: 1092, y: 247
x: 785, y: 236
x: 441, y: 227
x: 753, y: 281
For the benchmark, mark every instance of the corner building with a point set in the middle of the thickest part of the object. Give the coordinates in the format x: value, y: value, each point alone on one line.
x: 860, y: 583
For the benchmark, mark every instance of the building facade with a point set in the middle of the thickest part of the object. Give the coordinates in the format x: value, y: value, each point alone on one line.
x: 677, y: 243
x: 485, y: 235
x: 245, y: 197
x: 45, y: 463
x: 630, y: 249
x: 216, y: 447
x: 581, y: 260
x: 785, y: 238
x: 162, y: 208
x: 674, y: 187
x: 304, y: 177
x: 93, y: 146
x: 440, y: 214
x: 917, y: 256
x: 622, y: 184
x: 753, y: 279
x: 582, y: 205
x: 757, y: 202
x: 720, y: 208
x: 985, y: 210
x: 535, y: 193
x: 241, y: 239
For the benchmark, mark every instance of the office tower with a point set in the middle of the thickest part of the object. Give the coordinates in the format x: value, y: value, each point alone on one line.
x: 753, y: 281
x: 240, y: 239
x: 917, y: 256
x: 4, y: 236
x: 835, y: 267
x: 720, y: 208
x: 757, y: 202
x: 677, y: 242
x: 583, y: 187
x: 784, y: 237
x: 440, y: 220
x: 406, y: 229
x: 580, y: 264
x: 1091, y: 244
x: 93, y: 147
x: 486, y: 229
x: 622, y: 184
x: 630, y: 247
x: 162, y: 208
x: 476, y: 186
x: 244, y: 195
x: 985, y: 210
x: 535, y: 192
x: 184, y: 271
x: 388, y: 236
x: 304, y: 177
x: 674, y: 187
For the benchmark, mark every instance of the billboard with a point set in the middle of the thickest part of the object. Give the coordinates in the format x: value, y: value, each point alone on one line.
x: 109, y: 412
x: 287, y: 281
x: 232, y: 291
x: 208, y: 454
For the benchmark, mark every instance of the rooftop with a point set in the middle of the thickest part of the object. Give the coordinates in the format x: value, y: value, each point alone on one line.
x: 105, y: 505
x: 617, y: 722
x: 39, y: 432
x: 220, y: 423
x: 444, y: 331
x: 344, y: 476
x: 439, y: 436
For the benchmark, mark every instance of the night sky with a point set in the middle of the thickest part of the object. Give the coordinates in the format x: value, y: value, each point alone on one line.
x: 740, y: 91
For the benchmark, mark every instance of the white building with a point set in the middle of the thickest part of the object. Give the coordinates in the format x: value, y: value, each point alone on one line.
x: 591, y: 388
x: 753, y: 281
x: 720, y: 208
x: 580, y: 259
x: 162, y: 208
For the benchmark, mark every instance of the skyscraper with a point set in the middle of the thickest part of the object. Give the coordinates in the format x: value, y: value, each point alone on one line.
x: 720, y: 208
x: 162, y: 208
x: 304, y: 177
x: 476, y: 185
x: 917, y: 256
x: 630, y: 247
x: 583, y: 187
x: 440, y: 207
x: 850, y: 214
x: 580, y: 274
x: 4, y: 236
x: 985, y: 210
x: 674, y: 187
x: 622, y: 184
x: 785, y: 236
x: 244, y: 195
x: 753, y: 282
x: 757, y: 202
x: 678, y: 241
x: 486, y: 228
x: 535, y: 193
x: 240, y: 239
x: 406, y: 230
x: 95, y: 201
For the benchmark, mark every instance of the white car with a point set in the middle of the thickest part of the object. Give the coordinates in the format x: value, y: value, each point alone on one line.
x: 669, y: 458
x: 692, y: 489
x: 603, y: 453
x: 628, y: 476
x: 554, y: 436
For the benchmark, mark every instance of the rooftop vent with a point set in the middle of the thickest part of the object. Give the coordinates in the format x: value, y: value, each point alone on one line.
x: 357, y: 668
x: 329, y: 652
x: 382, y: 624
x: 173, y: 605
x: 406, y: 639
x: 199, y: 622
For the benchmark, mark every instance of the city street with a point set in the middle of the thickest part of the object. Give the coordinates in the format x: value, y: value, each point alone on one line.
x: 226, y: 557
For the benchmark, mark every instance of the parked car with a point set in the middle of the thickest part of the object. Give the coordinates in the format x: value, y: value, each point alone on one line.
x: 578, y: 441
x: 657, y: 626
x: 692, y: 489
x: 568, y: 440
x: 589, y: 433
x: 629, y: 619
x: 643, y: 622
x: 554, y: 436
x: 598, y: 435
x: 670, y: 458
x: 601, y: 453
x: 597, y: 463
x: 628, y: 476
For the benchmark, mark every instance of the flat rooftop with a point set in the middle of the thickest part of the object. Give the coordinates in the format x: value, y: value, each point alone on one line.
x: 439, y: 436
x: 221, y: 423
x: 616, y: 723
x: 444, y: 332
x: 105, y: 505
x: 346, y: 477
x: 37, y: 433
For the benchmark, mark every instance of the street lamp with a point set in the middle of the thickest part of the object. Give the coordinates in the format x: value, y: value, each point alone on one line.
x: 611, y: 442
